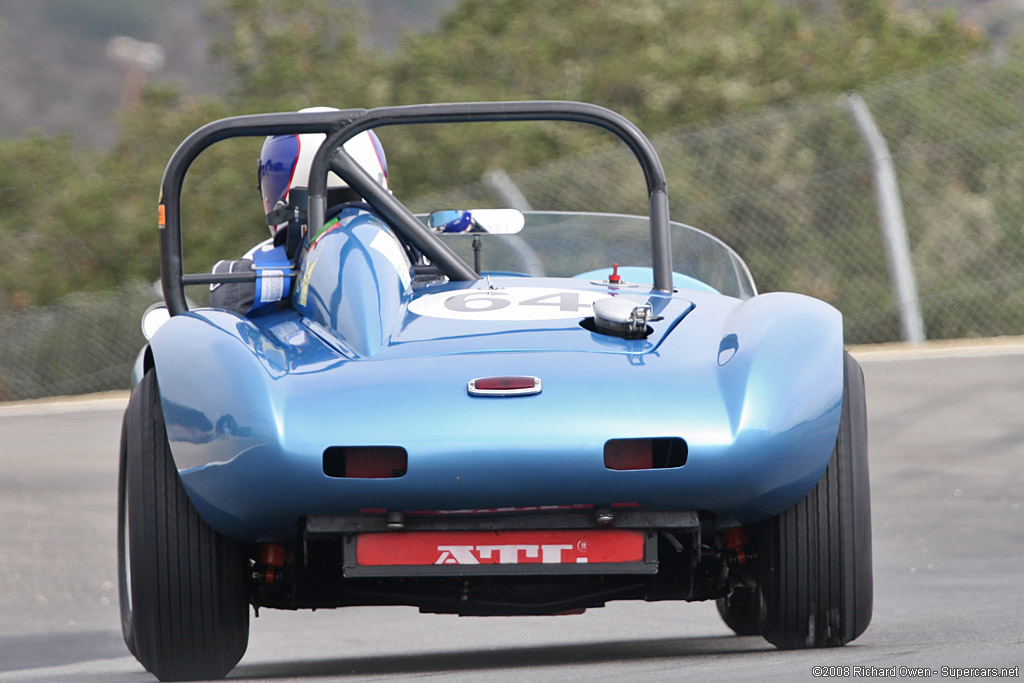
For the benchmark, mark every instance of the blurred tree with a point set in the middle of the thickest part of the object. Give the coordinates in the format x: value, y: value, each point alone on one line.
x: 78, y: 219
x: 74, y: 219
x: 661, y: 63
x: 41, y: 257
x: 288, y: 54
x: 664, y: 63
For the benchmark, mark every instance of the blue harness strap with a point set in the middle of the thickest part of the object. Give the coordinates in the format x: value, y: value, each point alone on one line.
x: 273, y: 278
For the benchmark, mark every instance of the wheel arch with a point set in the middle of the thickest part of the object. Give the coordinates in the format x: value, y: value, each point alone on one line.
x: 780, y: 374
x: 208, y: 348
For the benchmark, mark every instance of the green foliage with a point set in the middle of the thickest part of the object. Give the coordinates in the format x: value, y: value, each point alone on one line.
x: 662, y: 64
x: 791, y: 189
x: 961, y: 178
x: 39, y: 263
x: 74, y: 219
x: 221, y: 212
x: 289, y: 54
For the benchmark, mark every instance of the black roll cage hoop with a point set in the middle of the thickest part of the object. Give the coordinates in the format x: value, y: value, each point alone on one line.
x: 340, y: 126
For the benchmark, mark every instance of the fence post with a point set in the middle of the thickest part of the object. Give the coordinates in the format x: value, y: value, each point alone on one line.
x: 509, y: 192
x: 500, y: 182
x: 894, y: 227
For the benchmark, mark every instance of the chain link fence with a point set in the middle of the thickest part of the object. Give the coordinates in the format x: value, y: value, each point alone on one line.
x: 87, y: 342
x: 791, y: 189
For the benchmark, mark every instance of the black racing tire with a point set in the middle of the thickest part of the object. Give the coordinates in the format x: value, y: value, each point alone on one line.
x: 814, y: 559
x: 123, y: 568
x: 184, y: 610
x: 740, y: 611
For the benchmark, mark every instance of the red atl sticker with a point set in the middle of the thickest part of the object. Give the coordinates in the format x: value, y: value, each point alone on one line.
x: 500, y: 547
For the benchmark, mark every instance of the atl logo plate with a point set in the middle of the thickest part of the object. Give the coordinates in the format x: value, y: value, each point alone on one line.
x: 476, y: 548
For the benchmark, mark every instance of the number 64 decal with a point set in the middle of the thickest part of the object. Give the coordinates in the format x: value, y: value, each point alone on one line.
x: 514, y: 303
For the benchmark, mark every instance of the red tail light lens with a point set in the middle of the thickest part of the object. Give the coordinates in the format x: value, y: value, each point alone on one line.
x: 365, y: 462
x: 504, y: 386
x: 645, y: 454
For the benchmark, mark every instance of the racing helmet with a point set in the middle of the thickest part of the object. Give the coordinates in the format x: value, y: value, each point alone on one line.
x: 286, y: 159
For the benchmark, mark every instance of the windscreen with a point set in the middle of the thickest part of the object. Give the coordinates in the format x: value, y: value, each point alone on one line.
x: 564, y: 244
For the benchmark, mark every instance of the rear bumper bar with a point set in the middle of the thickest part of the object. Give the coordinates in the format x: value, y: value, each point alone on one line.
x: 320, y: 526
x: 638, y: 528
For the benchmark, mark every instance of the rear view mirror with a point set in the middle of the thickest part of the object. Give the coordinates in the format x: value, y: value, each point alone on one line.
x: 476, y: 221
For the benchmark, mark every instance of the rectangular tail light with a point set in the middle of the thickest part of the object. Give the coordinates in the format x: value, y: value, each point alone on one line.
x: 645, y: 454
x: 365, y: 462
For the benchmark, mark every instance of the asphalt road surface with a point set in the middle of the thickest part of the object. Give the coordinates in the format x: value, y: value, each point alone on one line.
x: 947, y: 472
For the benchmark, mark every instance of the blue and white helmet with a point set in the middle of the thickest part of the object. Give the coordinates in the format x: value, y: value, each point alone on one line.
x: 286, y: 159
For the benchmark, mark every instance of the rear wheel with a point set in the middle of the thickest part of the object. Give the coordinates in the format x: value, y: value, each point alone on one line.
x: 184, y: 611
x: 124, y: 576
x: 814, y: 559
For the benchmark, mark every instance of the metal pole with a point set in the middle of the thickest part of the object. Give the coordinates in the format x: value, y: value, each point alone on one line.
x: 894, y: 227
x: 500, y: 182
x: 509, y: 192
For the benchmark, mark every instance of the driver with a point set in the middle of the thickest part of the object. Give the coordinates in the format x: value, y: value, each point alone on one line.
x: 283, y: 184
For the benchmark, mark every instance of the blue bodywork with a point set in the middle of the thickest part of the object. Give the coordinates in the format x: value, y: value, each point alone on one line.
x: 753, y: 386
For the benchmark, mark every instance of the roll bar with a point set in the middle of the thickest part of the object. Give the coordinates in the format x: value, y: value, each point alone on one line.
x: 340, y: 126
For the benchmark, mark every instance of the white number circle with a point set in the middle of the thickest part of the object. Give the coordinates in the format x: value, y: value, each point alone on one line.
x: 512, y: 303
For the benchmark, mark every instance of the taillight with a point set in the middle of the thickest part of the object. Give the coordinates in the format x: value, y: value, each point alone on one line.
x: 645, y: 454
x: 504, y: 386
x: 365, y: 462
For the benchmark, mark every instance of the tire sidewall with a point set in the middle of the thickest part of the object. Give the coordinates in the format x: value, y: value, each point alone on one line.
x: 814, y: 559
x: 123, y: 544
x: 184, y: 607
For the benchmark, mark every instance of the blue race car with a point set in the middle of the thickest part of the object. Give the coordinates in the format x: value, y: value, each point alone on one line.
x: 400, y: 426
